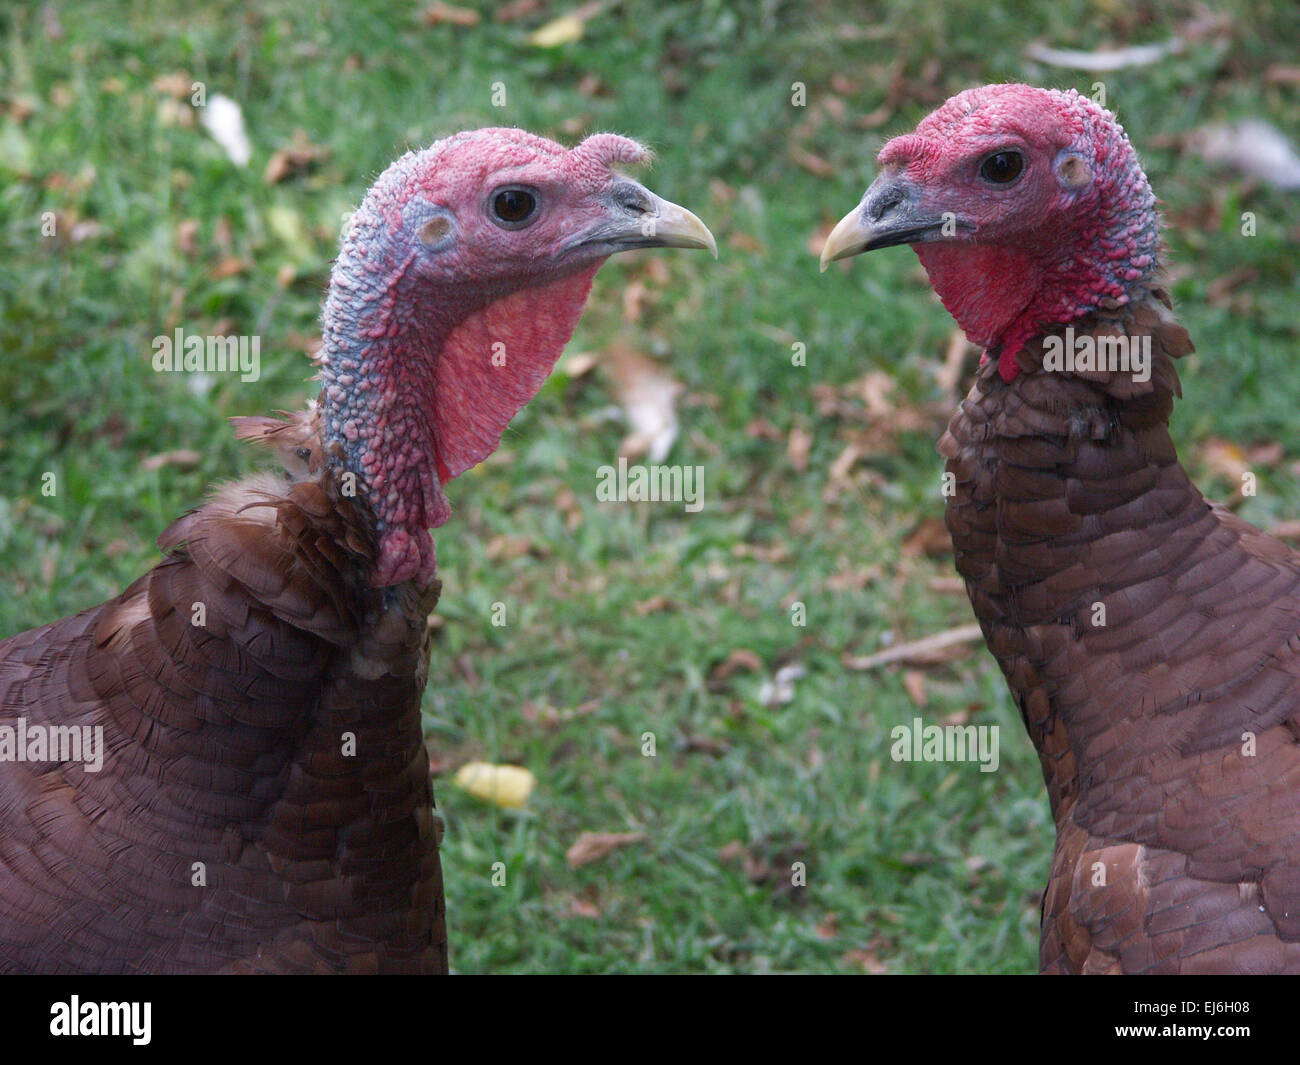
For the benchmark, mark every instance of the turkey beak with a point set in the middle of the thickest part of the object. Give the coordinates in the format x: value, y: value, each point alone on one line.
x: 640, y: 219
x: 889, y: 214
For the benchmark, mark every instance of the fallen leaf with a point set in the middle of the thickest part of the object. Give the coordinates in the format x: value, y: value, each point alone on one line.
x: 930, y: 538
x: 178, y: 85
x: 229, y: 266
x: 582, y: 908
x: 648, y: 395
x: 504, y: 547
x: 517, y: 9
x: 707, y: 745
x: 762, y: 429
x: 914, y: 685
x: 656, y: 604
x: 438, y: 13
x: 503, y: 785
x: 592, y: 846
x: 866, y: 960
x: 839, y: 469
x: 1224, y: 459
x: 811, y: 162
x: 183, y: 457
x: 578, y: 365
x: 1252, y: 147
x: 797, y: 448
x: 224, y: 121
x: 564, y: 30
x: 298, y: 158
x: 780, y: 689
x: 739, y: 659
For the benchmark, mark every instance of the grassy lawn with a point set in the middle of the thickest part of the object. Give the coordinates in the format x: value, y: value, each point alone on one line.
x: 620, y: 617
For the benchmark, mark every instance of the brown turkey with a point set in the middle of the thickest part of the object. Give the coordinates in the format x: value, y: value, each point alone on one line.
x: 1150, y: 638
x: 264, y: 802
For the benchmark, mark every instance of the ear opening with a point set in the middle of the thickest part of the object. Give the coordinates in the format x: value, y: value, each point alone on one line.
x: 1073, y: 171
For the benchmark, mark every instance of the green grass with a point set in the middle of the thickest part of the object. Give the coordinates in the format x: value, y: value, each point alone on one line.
x: 917, y: 868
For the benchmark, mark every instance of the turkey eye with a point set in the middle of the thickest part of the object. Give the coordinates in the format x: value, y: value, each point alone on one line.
x: 1002, y: 167
x: 513, y: 208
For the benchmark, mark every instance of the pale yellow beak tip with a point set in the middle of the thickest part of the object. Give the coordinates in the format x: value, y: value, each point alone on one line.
x: 844, y: 240
x: 679, y: 228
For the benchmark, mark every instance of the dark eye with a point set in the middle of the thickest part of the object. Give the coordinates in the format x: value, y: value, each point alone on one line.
x: 513, y: 208
x: 1002, y: 167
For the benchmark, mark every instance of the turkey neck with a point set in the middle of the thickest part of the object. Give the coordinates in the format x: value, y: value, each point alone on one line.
x: 1063, y: 485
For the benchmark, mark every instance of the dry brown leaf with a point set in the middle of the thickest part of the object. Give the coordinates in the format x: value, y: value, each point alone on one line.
x: 438, y: 13
x: 518, y: 9
x: 583, y: 908
x: 182, y: 457
x: 656, y: 604
x: 1224, y: 458
x: 567, y: 504
x: 811, y: 162
x: 930, y: 538
x: 187, y: 233
x: 298, y: 158
x: 761, y: 552
x: 947, y: 585
x: 592, y: 846
x: 579, y: 364
x: 590, y: 85
x: 866, y: 960
x: 229, y: 266
x: 746, y: 242
x: 177, y: 85
x: 914, y: 685
x: 960, y: 717
x: 740, y: 658
x: 1282, y: 74
x: 707, y: 745
x: 1219, y: 292
x: 839, y: 469
x: 504, y: 547
x: 797, y: 448
x: 762, y: 429
x: 648, y: 395
x: 634, y: 297
x: 853, y: 578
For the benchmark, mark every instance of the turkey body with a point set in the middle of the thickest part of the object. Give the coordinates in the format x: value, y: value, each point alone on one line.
x: 257, y: 795
x: 264, y: 802
x: 1151, y: 641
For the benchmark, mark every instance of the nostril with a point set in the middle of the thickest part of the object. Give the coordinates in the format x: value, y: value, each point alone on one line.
x: 889, y: 199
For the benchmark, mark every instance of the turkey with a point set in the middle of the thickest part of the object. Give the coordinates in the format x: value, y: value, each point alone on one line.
x: 1151, y: 639
x: 263, y: 802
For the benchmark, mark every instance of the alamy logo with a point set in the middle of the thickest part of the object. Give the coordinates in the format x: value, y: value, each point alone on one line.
x: 1088, y: 354
x: 920, y: 742
x: 208, y: 354
x: 651, y: 484
x: 102, y: 1018
x: 53, y: 743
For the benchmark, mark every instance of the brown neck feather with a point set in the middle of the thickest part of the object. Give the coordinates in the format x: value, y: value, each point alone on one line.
x: 1062, y: 483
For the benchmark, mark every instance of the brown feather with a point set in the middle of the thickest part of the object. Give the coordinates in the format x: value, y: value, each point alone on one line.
x: 1176, y: 851
x: 224, y: 752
